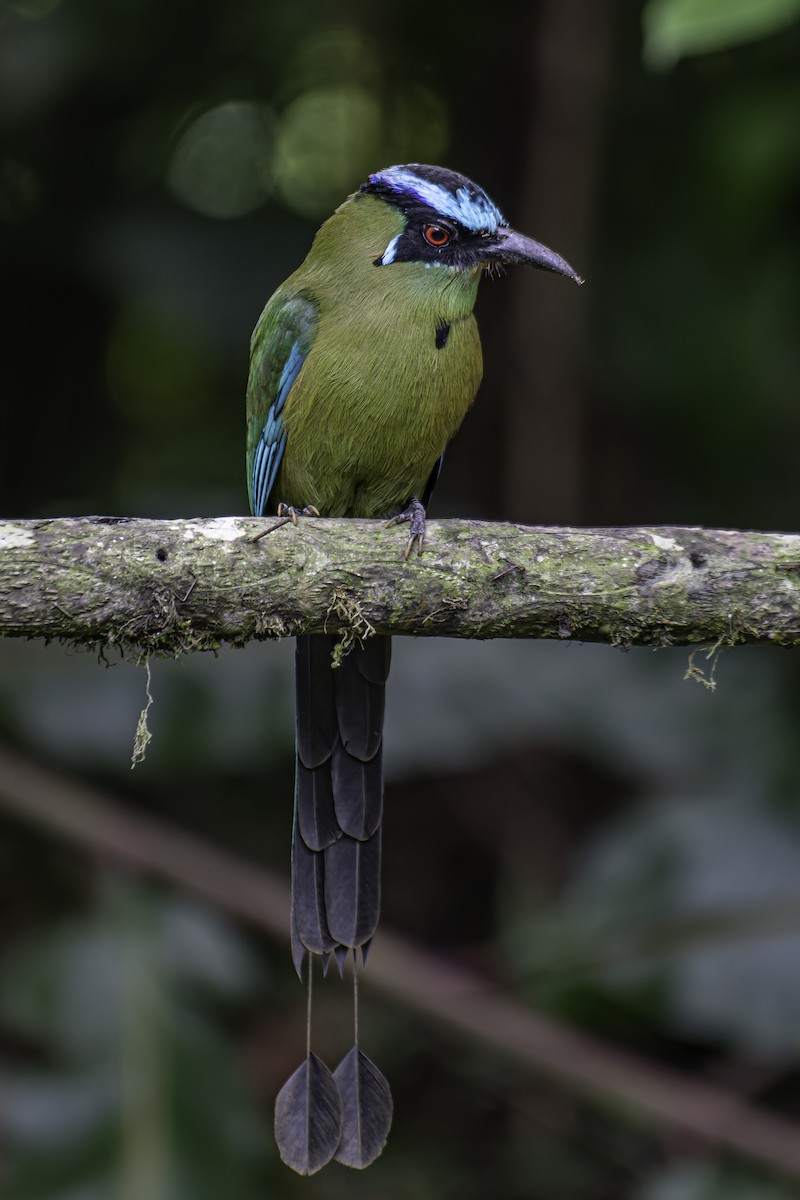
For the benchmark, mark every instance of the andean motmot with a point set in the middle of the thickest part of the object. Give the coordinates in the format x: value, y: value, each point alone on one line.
x: 363, y: 365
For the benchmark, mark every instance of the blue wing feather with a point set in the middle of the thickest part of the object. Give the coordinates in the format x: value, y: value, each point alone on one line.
x: 272, y: 442
x: 281, y: 342
x: 269, y: 453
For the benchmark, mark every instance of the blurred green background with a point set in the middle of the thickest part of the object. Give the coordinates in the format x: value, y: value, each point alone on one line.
x: 618, y: 847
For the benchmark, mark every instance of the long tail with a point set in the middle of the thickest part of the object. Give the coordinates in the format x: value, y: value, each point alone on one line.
x: 336, y: 891
x: 336, y: 843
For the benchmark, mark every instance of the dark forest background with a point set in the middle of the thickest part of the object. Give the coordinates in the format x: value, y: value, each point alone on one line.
x: 616, y: 846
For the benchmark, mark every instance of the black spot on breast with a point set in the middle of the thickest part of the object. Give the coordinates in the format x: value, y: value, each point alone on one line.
x: 442, y: 333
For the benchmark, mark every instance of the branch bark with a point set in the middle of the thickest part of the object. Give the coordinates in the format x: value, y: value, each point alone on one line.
x: 175, y: 586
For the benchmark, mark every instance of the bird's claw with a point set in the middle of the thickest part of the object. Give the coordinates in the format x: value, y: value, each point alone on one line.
x: 292, y: 513
x: 286, y: 513
x: 414, y: 514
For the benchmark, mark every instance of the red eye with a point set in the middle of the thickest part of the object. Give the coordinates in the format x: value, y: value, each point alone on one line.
x: 436, y: 235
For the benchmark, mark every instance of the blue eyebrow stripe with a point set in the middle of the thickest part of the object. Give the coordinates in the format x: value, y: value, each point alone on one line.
x: 471, y: 207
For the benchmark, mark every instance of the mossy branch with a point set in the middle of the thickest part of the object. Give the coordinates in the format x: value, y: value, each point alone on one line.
x: 177, y: 586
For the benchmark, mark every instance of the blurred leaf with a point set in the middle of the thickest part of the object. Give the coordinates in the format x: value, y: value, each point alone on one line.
x: 676, y: 28
x: 201, y: 950
x: 146, y: 1100
x: 45, y: 1112
x: 744, y: 990
x: 702, y: 1179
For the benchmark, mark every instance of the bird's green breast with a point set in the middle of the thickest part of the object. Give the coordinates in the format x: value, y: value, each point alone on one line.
x: 394, y: 367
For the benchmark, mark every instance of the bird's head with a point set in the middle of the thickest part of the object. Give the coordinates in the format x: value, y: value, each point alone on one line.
x: 450, y: 222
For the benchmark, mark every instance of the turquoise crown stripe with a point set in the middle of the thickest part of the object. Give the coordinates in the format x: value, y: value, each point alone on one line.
x: 468, y: 204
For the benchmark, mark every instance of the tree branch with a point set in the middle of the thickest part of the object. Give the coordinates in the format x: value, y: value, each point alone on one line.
x: 172, y: 586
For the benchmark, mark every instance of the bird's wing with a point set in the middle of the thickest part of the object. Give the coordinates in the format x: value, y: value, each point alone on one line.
x: 281, y: 341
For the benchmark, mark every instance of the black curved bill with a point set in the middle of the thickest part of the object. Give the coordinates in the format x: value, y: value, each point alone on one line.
x: 508, y: 246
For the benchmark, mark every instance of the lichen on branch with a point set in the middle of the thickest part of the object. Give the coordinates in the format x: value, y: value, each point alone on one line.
x: 172, y: 587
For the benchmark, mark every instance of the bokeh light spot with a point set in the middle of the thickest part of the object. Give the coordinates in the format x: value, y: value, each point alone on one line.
x: 327, y: 142
x: 338, y: 54
x: 220, y: 165
x: 419, y: 126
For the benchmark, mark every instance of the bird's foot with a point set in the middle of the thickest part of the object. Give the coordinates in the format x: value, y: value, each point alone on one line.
x: 290, y: 513
x: 414, y: 514
x: 287, y: 513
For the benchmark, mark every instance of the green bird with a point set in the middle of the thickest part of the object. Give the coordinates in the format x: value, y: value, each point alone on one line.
x: 363, y: 365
